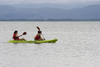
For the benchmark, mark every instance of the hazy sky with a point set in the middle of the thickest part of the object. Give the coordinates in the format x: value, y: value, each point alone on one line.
x: 45, y: 1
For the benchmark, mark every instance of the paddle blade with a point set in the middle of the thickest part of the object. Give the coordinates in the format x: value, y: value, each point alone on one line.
x: 38, y: 28
x: 24, y: 33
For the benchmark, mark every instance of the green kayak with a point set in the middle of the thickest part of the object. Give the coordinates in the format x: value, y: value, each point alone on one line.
x: 44, y: 41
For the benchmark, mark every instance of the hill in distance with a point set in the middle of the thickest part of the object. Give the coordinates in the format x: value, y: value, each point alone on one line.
x: 11, y: 12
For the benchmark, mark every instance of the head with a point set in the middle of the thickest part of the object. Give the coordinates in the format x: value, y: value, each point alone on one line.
x: 39, y: 32
x: 15, y: 32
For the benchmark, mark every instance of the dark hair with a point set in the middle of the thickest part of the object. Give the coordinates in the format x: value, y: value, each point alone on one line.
x: 39, y: 32
x: 15, y: 31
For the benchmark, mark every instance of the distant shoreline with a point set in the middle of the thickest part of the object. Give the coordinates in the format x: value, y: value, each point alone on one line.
x: 49, y: 19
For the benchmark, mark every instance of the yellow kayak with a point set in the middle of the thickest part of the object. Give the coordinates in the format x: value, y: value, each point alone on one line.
x: 42, y: 41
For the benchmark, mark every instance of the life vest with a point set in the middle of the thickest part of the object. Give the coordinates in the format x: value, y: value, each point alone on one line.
x: 37, y: 37
x: 14, y: 37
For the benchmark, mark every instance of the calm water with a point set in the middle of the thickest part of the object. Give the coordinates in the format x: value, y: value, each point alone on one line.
x: 78, y: 44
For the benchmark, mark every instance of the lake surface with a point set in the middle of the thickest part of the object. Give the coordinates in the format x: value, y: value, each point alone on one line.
x: 78, y: 44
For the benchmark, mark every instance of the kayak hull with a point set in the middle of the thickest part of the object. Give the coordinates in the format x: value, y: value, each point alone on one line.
x: 44, y: 41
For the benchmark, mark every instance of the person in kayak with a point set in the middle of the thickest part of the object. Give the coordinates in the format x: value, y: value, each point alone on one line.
x: 16, y: 37
x: 38, y: 36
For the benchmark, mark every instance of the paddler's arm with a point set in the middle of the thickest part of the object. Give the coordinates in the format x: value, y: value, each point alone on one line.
x: 19, y: 36
x: 41, y: 37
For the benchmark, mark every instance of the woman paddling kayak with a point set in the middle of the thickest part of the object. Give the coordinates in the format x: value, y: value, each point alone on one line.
x: 16, y: 37
x: 38, y: 36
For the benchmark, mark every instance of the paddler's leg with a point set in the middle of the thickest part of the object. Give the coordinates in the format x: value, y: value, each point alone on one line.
x: 41, y: 39
x: 23, y: 39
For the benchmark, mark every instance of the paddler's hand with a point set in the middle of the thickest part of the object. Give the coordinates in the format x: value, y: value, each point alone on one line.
x: 20, y: 35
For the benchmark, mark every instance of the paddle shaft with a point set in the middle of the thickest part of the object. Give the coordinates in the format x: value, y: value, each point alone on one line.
x: 43, y: 36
